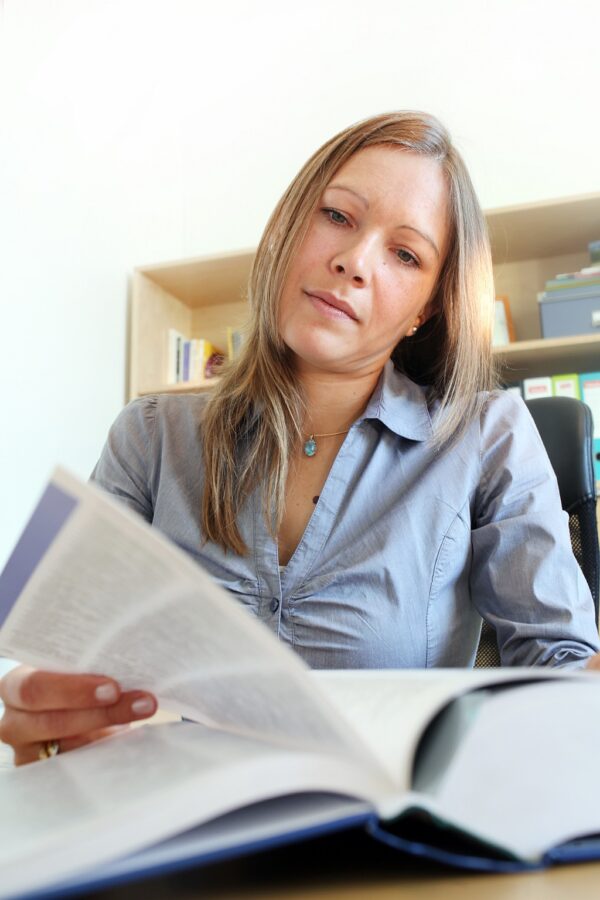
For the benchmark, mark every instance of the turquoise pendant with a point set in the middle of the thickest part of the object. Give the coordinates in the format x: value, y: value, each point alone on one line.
x: 310, y: 447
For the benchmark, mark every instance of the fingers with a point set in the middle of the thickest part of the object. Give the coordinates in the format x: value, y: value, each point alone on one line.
x: 29, y: 753
x: 73, y: 709
x: 23, y: 727
x: 31, y: 689
x: 593, y: 662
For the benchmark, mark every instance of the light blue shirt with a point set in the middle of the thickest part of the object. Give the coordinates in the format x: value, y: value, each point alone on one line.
x: 407, y: 548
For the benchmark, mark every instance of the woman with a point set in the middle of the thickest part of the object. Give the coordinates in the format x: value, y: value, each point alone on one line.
x: 353, y: 480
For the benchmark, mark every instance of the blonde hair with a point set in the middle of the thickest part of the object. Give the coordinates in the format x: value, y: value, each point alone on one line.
x: 253, y: 422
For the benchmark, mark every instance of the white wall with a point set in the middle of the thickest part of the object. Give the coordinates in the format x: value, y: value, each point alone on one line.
x: 135, y: 131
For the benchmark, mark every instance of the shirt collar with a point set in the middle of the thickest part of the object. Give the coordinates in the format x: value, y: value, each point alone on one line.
x: 400, y: 405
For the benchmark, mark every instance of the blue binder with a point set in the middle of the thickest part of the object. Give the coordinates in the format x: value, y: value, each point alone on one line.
x: 589, y: 383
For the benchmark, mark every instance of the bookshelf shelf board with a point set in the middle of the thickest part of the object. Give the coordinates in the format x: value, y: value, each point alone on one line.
x: 549, y: 356
x: 205, y: 280
x: 547, y: 228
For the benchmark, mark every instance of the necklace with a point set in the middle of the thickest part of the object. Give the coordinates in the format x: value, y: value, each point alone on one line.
x: 310, y: 446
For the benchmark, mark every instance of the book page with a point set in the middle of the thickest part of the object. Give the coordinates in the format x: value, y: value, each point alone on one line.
x: 524, y: 776
x: 108, y: 594
x: 391, y: 709
x: 124, y: 793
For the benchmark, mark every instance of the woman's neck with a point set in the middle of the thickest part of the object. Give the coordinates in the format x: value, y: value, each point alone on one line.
x: 334, y: 401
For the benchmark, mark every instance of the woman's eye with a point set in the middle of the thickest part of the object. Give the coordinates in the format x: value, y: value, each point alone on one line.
x: 335, y: 216
x: 405, y: 257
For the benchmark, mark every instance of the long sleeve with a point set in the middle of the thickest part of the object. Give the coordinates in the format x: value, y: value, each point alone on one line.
x: 126, y: 462
x: 525, y: 580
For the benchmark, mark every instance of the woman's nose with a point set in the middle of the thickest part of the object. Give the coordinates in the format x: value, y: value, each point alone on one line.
x: 357, y: 277
x: 356, y: 261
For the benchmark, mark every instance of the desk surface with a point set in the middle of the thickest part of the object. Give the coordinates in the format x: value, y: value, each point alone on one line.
x: 349, y: 867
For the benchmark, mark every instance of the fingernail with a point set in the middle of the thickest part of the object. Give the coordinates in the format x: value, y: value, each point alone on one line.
x: 142, y: 706
x: 106, y: 693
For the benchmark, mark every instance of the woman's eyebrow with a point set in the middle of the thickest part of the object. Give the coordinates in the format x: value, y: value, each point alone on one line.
x: 365, y: 202
x: 342, y: 187
x: 423, y: 235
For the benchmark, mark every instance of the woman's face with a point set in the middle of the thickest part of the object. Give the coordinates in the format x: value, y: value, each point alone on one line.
x: 373, y: 252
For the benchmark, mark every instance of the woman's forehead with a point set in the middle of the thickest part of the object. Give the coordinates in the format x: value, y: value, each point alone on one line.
x: 396, y: 183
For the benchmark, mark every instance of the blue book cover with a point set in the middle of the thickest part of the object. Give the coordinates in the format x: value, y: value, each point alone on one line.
x: 186, y: 360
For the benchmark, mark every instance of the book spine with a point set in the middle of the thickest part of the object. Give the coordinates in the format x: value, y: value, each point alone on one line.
x: 537, y: 387
x: 194, y: 360
x: 566, y: 386
x: 589, y: 384
x: 186, y: 361
x: 207, y: 352
x: 178, y: 361
x: 173, y: 356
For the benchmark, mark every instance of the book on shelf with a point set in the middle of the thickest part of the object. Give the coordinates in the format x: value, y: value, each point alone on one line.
x: 537, y: 387
x: 175, y: 356
x: 201, y: 351
x: 234, y: 342
x: 589, y: 386
x: 566, y: 386
x: 552, y: 386
x: 186, y: 361
x: 187, y: 358
x: 456, y: 765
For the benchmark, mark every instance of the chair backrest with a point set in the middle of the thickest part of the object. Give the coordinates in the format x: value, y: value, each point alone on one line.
x: 566, y: 428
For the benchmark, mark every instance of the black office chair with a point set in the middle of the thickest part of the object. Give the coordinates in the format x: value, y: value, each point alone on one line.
x: 566, y: 428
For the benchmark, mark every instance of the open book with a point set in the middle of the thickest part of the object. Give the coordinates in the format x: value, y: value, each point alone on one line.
x: 487, y: 769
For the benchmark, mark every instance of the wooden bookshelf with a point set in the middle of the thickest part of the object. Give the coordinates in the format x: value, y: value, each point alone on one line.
x: 199, y: 297
x: 531, y: 243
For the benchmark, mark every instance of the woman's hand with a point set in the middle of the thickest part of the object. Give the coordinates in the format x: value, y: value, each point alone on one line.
x: 593, y: 662
x: 71, y: 709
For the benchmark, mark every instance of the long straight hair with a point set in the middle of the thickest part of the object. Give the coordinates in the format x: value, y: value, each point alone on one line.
x: 252, y: 424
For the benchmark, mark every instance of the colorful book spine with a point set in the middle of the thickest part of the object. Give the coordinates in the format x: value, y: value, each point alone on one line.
x: 537, y: 387
x: 174, y: 356
x: 186, y: 361
x: 566, y: 386
x: 234, y: 343
x: 589, y: 383
x: 201, y: 351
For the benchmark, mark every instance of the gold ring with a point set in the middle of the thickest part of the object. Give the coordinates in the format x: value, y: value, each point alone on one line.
x: 48, y: 749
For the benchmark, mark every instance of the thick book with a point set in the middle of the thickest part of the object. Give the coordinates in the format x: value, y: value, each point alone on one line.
x: 488, y: 769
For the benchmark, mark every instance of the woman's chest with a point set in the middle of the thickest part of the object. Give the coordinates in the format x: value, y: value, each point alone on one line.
x: 305, y: 482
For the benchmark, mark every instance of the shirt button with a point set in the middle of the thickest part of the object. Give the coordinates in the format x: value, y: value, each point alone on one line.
x: 274, y: 604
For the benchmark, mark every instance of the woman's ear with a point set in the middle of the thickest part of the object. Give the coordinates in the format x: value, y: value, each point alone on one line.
x: 415, y: 326
x: 431, y: 308
x: 425, y: 314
